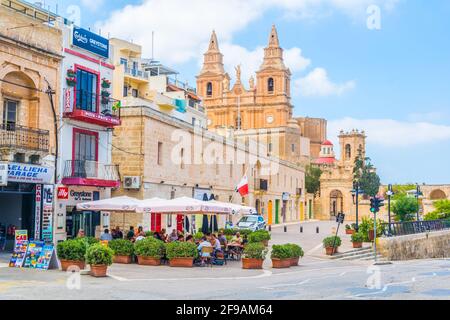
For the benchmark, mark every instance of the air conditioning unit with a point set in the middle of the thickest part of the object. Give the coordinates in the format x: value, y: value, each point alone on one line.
x: 132, y: 182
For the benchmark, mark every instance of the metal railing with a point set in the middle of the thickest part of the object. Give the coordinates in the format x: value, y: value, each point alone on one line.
x: 91, y: 170
x: 181, y: 84
x: 137, y: 73
x: 413, y: 227
x: 88, y: 101
x: 20, y: 137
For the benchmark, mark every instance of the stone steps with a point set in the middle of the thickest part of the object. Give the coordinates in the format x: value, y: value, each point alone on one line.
x: 362, y: 254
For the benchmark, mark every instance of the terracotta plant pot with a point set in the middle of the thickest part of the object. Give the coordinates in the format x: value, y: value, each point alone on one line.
x: 357, y: 245
x: 329, y: 250
x: 149, y: 261
x: 182, y: 262
x: 349, y: 231
x: 281, y: 263
x: 265, y: 243
x: 251, y: 263
x: 99, y: 270
x: 65, y: 264
x: 294, y: 261
x: 122, y: 259
x: 371, y: 235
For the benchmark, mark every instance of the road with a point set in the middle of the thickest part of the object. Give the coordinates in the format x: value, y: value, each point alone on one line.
x: 317, y: 277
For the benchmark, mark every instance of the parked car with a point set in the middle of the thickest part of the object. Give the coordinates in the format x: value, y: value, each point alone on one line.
x: 252, y: 222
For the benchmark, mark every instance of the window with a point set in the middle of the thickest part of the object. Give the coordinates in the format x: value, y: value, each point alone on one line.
x: 10, y: 114
x: 238, y: 122
x: 135, y: 93
x: 270, y: 147
x: 209, y: 89
x: 270, y: 85
x: 293, y: 147
x: 348, y: 151
x: 125, y: 91
x: 84, y: 153
x: 159, y: 159
x: 86, y: 90
x: 124, y: 62
x: 193, y: 121
x: 182, y: 158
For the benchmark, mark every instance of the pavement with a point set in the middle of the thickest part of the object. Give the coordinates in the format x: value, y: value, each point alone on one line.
x: 316, y: 277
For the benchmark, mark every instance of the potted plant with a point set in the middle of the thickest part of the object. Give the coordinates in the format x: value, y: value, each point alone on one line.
x: 259, y: 236
x: 123, y: 250
x: 296, y: 253
x: 348, y: 229
x: 331, y: 244
x: 281, y: 256
x: 198, y: 235
x: 181, y: 254
x: 149, y: 251
x: 71, y: 253
x: 357, y: 240
x: 254, y: 255
x: 99, y: 257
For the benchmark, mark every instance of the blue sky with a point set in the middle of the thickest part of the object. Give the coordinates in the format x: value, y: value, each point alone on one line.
x: 393, y: 82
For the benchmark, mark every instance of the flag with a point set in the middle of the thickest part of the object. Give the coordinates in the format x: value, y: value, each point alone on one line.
x: 242, y: 187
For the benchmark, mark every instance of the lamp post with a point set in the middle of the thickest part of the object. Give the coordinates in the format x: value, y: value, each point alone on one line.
x: 418, y: 192
x: 355, y: 195
x: 389, y: 194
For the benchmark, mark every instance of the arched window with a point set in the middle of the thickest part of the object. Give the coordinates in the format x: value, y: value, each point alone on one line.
x: 209, y: 89
x: 348, y: 151
x: 270, y: 85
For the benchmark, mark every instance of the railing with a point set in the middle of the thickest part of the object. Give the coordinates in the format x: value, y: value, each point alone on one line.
x: 88, y: 101
x: 137, y: 73
x: 413, y: 227
x: 20, y: 137
x: 180, y: 84
x: 91, y: 170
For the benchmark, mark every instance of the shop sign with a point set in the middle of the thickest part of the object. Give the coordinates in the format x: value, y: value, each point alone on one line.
x: 18, y: 256
x: 20, y: 235
x: 3, y: 174
x: 285, y: 196
x: 81, y: 195
x: 63, y: 193
x: 37, y: 214
x: 28, y: 173
x: 91, y: 42
x: 47, y: 214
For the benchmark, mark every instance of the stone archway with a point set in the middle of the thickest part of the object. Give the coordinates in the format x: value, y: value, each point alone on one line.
x: 437, y: 194
x: 336, y: 202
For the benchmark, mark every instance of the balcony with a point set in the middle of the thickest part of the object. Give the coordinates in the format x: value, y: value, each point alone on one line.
x: 19, y: 139
x: 136, y: 73
x: 92, y: 108
x: 91, y: 173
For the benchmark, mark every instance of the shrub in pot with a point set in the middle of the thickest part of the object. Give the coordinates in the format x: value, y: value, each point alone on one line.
x: 296, y: 253
x: 281, y: 256
x: 71, y: 253
x: 259, y: 236
x: 149, y: 251
x: 254, y: 255
x: 181, y: 254
x: 198, y: 235
x: 88, y: 241
x: 357, y: 239
x: 348, y: 229
x: 244, y: 232
x: 328, y: 243
x: 123, y: 250
x: 99, y: 257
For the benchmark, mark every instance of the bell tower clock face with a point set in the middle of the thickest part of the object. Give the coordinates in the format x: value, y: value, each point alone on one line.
x: 269, y: 119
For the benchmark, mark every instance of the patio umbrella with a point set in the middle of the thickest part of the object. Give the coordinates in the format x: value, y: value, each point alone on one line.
x: 123, y: 203
x: 214, y: 227
x: 186, y: 223
x: 205, y: 227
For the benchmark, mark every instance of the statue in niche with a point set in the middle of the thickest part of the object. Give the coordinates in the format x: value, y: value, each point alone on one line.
x: 251, y: 82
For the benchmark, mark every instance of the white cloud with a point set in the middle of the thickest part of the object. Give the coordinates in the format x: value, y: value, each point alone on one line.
x: 317, y: 83
x: 92, y: 4
x: 392, y: 133
x: 182, y: 28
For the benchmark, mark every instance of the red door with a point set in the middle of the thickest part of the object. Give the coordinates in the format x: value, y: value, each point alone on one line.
x: 155, y: 222
x: 179, y: 222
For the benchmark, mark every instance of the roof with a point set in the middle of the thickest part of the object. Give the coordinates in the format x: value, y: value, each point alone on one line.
x: 327, y: 143
x: 323, y: 160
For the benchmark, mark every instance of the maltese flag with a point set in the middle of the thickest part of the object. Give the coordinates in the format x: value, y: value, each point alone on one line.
x: 242, y: 187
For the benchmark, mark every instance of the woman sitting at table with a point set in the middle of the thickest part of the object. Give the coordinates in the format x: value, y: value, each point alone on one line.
x: 215, y: 243
x: 237, y: 240
x: 204, y: 255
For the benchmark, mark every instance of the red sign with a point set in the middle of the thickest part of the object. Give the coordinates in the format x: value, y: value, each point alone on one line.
x: 63, y: 193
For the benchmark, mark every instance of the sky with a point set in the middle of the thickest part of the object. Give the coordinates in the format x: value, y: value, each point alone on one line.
x: 382, y: 66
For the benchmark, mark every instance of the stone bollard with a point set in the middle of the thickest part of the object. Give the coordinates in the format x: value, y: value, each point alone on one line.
x: 285, y: 228
x: 270, y: 227
x: 317, y: 229
x: 301, y: 229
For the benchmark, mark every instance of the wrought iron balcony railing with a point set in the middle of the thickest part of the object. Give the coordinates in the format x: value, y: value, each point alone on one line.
x: 24, y: 138
x: 88, y: 101
x: 87, y: 169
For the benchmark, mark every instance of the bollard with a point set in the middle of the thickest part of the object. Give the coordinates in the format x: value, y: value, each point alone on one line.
x: 301, y: 229
x: 317, y: 229
x: 270, y: 227
x: 285, y: 229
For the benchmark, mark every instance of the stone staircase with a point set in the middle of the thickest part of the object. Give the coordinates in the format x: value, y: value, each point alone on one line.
x: 362, y: 254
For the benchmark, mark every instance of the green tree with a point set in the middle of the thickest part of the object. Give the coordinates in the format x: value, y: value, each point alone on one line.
x: 400, y: 190
x: 364, y: 173
x: 312, y: 179
x: 405, y: 208
x: 442, y: 210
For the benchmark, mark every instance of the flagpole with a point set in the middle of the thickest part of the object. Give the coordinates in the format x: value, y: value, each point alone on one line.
x: 235, y: 190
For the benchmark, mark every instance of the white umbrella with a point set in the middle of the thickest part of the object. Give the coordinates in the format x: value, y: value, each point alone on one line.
x: 183, y: 205
x: 235, y: 208
x: 122, y: 203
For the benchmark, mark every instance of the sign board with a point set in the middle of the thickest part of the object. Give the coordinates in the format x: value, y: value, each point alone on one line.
x: 20, y: 235
x: 18, y: 256
x: 29, y: 173
x: 3, y: 174
x: 33, y: 253
x: 285, y: 196
x: 47, y: 258
x: 63, y: 193
x: 340, y: 218
x: 47, y: 213
x: 90, y: 41
x: 76, y: 195
x: 37, y: 213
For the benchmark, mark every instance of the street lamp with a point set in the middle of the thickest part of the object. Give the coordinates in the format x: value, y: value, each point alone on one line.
x: 389, y: 193
x: 418, y: 194
x: 355, y: 195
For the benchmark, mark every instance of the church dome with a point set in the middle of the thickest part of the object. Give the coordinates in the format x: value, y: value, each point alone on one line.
x: 326, y: 155
x: 327, y: 143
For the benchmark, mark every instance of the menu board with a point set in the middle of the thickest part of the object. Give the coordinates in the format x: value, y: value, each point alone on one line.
x: 33, y: 253
x: 18, y: 256
x: 47, y: 253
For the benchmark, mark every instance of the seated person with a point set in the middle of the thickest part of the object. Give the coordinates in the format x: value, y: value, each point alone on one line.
x: 157, y: 235
x: 204, y: 243
x: 180, y: 238
x: 222, y: 239
x: 106, y: 235
x: 164, y: 236
x: 237, y: 240
x: 215, y: 243
x: 140, y: 236
x: 173, y: 236
x: 190, y: 238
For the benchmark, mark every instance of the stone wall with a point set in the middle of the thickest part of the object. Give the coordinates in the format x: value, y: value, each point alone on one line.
x: 416, y: 246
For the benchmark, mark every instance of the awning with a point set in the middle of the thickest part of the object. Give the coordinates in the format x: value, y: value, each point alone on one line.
x: 184, y: 205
